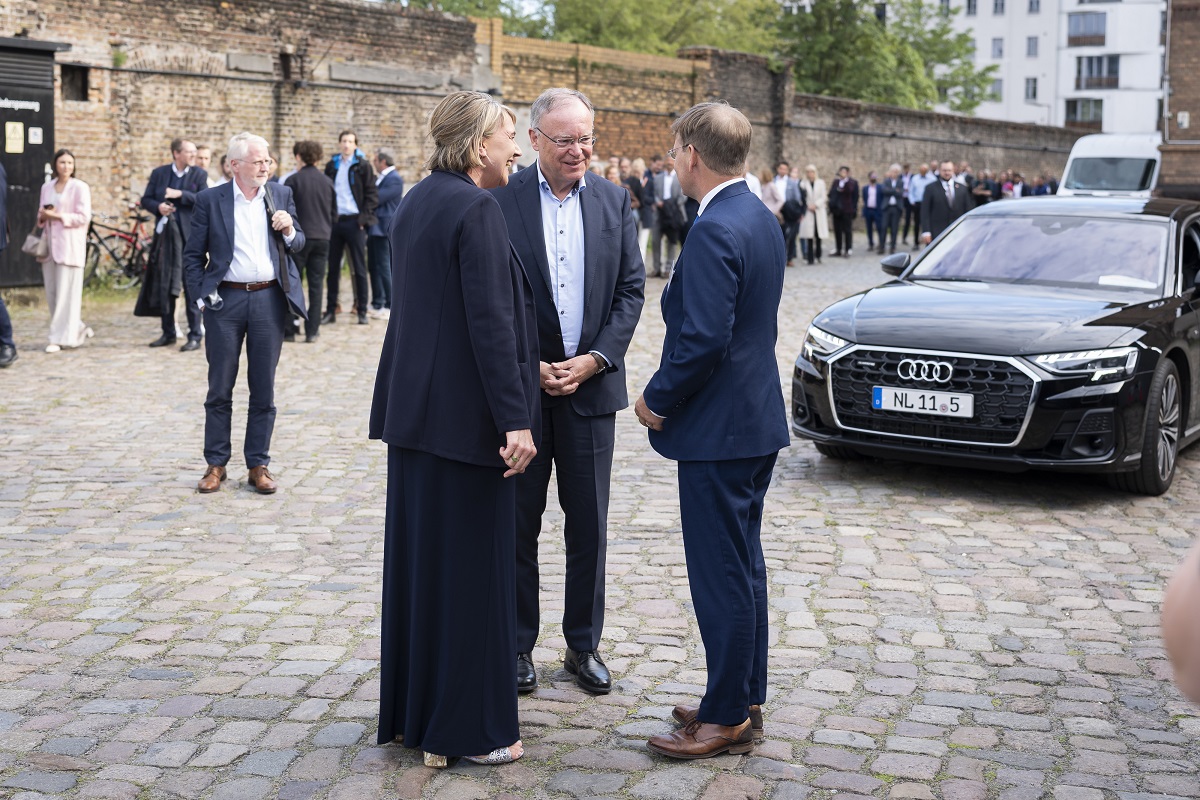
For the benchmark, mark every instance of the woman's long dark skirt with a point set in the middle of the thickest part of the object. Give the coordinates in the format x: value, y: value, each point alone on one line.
x: 449, y: 677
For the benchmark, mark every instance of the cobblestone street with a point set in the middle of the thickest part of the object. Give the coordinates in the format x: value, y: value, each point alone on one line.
x: 937, y: 633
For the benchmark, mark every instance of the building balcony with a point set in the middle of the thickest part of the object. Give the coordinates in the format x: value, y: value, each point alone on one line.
x: 1086, y: 41
x: 1097, y: 82
x: 1091, y: 125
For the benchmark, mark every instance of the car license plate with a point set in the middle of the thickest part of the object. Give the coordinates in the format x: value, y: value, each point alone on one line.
x: 918, y: 401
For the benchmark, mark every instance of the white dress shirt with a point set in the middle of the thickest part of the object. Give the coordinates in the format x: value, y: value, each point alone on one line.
x: 253, y: 261
x: 754, y: 185
x: 562, y: 230
x: 345, y: 197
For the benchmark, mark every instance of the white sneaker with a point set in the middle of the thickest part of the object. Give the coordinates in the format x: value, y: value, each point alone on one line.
x: 380, y: 313
x: 52, y: 348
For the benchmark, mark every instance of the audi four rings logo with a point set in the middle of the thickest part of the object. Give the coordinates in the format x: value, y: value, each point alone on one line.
x: 914, y: 369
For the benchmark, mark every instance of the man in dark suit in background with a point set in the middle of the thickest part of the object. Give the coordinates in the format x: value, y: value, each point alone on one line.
x: 669, y: 217
x: 316, y: 211
x: 577, y: 239
x: 354, y: 182
x: 843, y: 204
x: 170, y: 196
x: 945, y: 201
x: 390, y: 187
x: 715, y: 406
x: 8, y: 347
x: 238, y: 261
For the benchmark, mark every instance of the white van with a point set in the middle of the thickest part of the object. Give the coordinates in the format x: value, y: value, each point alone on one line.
x: 1113, y: 164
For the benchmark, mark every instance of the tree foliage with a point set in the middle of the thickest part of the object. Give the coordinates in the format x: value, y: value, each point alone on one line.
x: 838, y: 47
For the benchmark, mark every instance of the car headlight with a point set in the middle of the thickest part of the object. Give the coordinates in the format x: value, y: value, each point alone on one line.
x: 1114, y: 364
x: 821, y: 343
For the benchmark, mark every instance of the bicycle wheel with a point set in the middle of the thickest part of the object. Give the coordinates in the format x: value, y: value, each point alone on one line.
x: 129, y: 274
x: 92, y: 276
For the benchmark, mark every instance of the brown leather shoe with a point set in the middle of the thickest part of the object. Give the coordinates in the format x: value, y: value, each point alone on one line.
x: 685, y: 714
x: 261, y: 479
x: 211, y: 481
x: 704, y: 740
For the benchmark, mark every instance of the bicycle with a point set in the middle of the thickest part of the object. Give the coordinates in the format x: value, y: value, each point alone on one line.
x: 117, y: 256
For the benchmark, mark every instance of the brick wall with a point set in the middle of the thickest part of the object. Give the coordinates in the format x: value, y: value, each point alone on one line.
x: 1180, y: 173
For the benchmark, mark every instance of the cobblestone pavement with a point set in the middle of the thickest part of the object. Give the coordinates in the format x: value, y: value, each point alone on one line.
x: 937, y: 633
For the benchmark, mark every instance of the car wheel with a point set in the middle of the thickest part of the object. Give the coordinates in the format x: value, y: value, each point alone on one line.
x: 838, y: 451
x: 1160, y: 438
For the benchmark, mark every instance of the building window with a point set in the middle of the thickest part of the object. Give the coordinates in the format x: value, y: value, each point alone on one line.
x: 997, y: 90
x: 972, y: 7
x: 1086, y: 29
x: 1031, y: 88
x: 997, y: 7
x: 1085, y: 112
x: 1035, y: 6
x: 1031, y: 46
x: 1097, y: 72
x: 74, y: 82
x: 945, y: 8
x: 998, y: 47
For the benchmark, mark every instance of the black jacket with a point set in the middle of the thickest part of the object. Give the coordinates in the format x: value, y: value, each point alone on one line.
x: 936, y: 211
x: 362, y: 185
x: 316, y: 202
x: 194, y: 181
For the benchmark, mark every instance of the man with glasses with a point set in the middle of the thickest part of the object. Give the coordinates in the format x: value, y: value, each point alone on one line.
x: 577, y: 238
x: 238, y: 260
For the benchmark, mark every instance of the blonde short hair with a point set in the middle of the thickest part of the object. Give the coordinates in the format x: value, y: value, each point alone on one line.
x: 459, y: 124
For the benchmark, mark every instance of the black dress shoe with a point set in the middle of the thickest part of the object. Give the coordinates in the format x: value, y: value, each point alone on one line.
x: 163, y: 341
x: 328, y: 318
x: 289, y: 337
x: 362, y: 318
x: 8, y: 355
x: 526, y: 674
x: 589, y: 671
x: 190, y: 345
x: 312, y: 337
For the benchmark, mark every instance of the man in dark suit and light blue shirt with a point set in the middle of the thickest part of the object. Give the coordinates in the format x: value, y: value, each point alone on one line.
x: 578, y: 241
x: 715, y: 406
x: 170, y: 196
x: 238, y: 262
x: 390, y: 187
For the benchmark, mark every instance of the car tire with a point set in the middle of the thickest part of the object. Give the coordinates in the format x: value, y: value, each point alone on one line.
x: 1160, y: 435
x: 838, y: 451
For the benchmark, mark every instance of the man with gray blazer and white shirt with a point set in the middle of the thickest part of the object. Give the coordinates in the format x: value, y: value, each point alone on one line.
x: 669, y: 217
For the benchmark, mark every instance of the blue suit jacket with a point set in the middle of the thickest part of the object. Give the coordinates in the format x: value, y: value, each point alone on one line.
x: 459, y: 362
x: 718, y: 381
x: 391, y: 192
x: 612, y: 269
x: 209, y: 249
x: 194, y: 182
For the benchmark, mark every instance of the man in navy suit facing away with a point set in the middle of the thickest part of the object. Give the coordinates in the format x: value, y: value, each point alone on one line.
x: 715, y: 406
x: 246, y: 228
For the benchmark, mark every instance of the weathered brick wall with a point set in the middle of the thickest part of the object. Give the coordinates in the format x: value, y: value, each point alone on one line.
x: 160, y: 70
x: 1180, y: 174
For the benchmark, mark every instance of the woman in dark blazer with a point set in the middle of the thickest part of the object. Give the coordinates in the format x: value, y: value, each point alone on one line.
x: 456, y: 401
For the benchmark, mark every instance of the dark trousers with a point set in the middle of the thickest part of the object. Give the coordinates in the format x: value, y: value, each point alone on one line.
x: 447, y: 673
x: 379, y: 265
x: 6, y: 332
x: 910, y: 215
x: 346, y: 235
x: 312, y: 261
x: 873, y: 217
x: 790, y: 229
x: 581, y: 450
x: 193, y: 316
x: 843, y: 232
x: 916, y: 225
x: 812, y: 248
x: 891, y: 224
x: 256, y: 318
x: 721, y: 506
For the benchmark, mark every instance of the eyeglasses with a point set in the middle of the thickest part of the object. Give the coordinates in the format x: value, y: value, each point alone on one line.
x: 674, y: 151
x: 257, y: 164
x: 563, y: 144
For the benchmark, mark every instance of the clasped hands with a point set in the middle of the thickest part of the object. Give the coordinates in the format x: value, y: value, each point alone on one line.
x: 563, y: 377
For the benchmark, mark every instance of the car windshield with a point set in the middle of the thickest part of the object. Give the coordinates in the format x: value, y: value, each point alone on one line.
x: 1110, y: 174
x: 1071, y: 252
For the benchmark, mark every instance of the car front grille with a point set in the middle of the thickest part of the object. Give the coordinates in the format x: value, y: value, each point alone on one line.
x: 1003, y: 394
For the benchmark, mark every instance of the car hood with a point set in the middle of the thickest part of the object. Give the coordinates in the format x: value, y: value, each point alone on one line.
x: 990, y: 318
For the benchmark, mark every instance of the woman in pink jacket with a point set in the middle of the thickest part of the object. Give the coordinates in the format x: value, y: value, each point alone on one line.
x: 65, y: 209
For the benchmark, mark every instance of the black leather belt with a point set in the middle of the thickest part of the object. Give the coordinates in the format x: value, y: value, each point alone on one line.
x: 249, y: 287
x: 347, y: 216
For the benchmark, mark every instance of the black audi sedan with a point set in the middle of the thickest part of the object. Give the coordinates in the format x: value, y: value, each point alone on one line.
x: 1047, y: 333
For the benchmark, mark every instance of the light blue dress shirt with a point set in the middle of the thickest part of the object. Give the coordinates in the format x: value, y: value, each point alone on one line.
x: 345, y: 197
x: 916, y: 187
x: 562, y: 229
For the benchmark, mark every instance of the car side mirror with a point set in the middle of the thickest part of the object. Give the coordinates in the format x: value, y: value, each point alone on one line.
x: 895, y: 263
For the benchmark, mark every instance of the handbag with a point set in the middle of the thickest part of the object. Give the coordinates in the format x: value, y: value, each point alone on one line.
x: 37, y: 244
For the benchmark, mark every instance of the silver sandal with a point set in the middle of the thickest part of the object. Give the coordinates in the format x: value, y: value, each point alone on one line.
x: 501, y: 755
